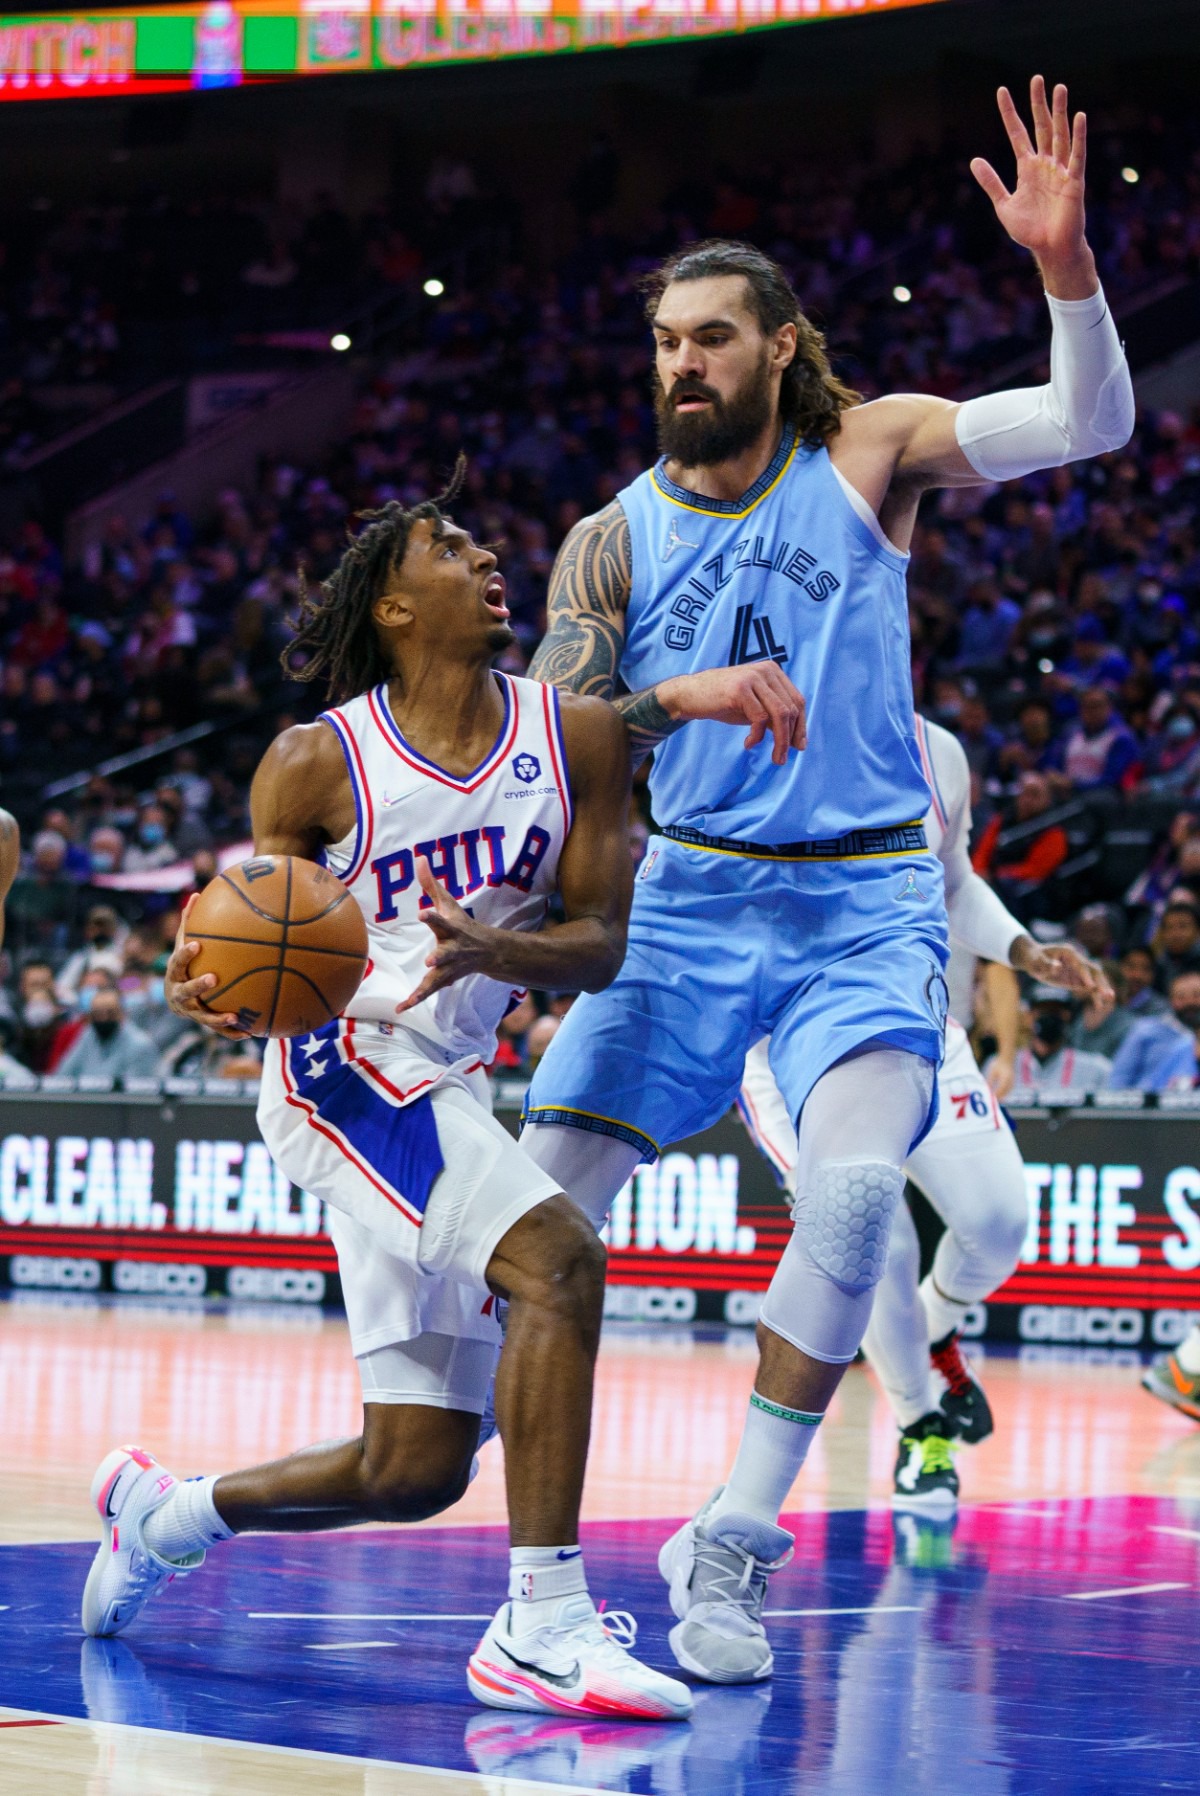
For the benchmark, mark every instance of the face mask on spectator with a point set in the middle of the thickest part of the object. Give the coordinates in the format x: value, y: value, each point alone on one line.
x: 1049, y: 1028
x: 151, y: 834
x: 1189, y: 1016
x: 105, y: 1027
x: 103, y: 861
x: 40, y: 1011
x: 1180, y: 728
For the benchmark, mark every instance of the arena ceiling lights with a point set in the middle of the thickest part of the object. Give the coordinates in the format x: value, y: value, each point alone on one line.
x: 223, y: 44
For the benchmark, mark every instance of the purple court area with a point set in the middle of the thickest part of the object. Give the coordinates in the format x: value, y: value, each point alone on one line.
x: 1022, y: 1650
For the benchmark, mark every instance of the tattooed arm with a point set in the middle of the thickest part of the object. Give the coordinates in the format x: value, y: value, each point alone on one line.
x: 10, y: 860
x: 581, y: 652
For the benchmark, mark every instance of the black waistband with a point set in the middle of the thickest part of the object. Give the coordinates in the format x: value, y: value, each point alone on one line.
x: 901, y: 838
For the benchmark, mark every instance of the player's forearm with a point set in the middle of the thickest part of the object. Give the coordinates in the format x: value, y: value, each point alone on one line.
x: 980, y: 921
x: 582, y: 955
x: 1004, y: 1004
x: 647, y: 721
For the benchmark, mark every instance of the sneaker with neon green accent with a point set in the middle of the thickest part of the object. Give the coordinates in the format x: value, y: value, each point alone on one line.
x: 925, y: 1477
x: 1164, y: 1377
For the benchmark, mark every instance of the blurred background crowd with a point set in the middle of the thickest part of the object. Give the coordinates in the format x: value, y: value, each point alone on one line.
x: 1055, y: 621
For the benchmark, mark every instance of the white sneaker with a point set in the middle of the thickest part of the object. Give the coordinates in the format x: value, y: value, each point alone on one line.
x: 718, y: 1579
x: 579, y: 1664
x: 128, y: 1486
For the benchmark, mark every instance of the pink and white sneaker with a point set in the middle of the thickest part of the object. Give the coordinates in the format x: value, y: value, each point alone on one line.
x: 128, y: 1486
x: 579, y: 1664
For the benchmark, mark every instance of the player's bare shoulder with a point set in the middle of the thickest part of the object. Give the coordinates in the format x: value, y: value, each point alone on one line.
x: 302, y: 786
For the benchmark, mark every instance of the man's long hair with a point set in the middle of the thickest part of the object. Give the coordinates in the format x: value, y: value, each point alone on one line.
x: 811, y: 397
x: 336, y: 639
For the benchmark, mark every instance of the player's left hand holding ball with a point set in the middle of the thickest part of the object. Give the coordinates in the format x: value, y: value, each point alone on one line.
x: 463, y: 945
x: 185, y: 995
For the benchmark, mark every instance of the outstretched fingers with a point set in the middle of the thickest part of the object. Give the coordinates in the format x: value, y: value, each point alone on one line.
x: 1078, y: 162
x: 1061, y: 144
x: 1014, y: 124
x: 990, y: 181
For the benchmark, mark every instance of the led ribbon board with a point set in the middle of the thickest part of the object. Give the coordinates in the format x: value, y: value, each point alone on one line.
x: 224, y: 44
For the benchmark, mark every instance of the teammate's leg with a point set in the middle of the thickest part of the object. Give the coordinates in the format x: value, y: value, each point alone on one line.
x: 1175, y: 1377
x: 857, y: 1127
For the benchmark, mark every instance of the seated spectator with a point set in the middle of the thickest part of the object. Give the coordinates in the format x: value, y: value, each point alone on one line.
x: 110, y: 1046
x: 1013, y: 853
x: 1049, y: 1063
x: 980, y: 738
x: 1178, y: 1068
x: 1103, y: 1022
x: 104, y: 938
x: 1137, y: 1061
x: 40, y: 1015
x: 76, y: 864
x: 1139, y: 971
x: 1177, y: 943
x: 1034, y: 748
x: 987, y: 627
x: 1172, y: 763
x: 510, y: 1037
x: 44, y: 903
x: 152, y: 846
x: 106, y: 849
x: 1101, y: 749
x: 1095, y: 931
x: 540, y: 1037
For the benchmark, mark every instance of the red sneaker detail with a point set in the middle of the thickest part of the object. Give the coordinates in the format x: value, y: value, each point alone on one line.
x: 950, y: 1363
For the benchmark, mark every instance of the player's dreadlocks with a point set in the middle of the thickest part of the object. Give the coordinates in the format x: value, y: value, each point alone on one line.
x: 336, y: 640
x: 811, y: 397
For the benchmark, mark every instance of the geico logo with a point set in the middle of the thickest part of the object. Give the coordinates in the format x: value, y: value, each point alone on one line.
x: 269, y: 1284
x: 650, y: 1303
x: 1168, y: 1327
x: 1063, y: 1322
x: 742, y: 1307
x: 148, y: 1277
x: 54, y: 1274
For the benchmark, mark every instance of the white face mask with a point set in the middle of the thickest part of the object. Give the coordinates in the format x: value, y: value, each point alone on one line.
x: 40, y: 1011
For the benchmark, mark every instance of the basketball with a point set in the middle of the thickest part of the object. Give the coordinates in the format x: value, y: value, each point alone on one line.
x: 286, y: 941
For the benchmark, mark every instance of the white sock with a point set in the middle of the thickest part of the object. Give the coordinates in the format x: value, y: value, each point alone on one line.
x: 774, y: 1445
x: 187, y: 1521
x: 1188, y: 1351
x: 944, y: 1313
x: 538, y: 1579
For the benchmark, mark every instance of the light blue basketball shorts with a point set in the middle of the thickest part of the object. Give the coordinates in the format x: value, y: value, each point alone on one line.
x: 825, y: 956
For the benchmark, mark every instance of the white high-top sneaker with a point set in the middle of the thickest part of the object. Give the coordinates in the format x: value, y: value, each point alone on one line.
x: 128, y: 1486
x: 579, y: 1664
x: 718, y: 1578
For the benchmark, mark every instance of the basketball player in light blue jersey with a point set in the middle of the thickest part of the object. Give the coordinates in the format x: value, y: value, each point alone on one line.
x: 757, y: 572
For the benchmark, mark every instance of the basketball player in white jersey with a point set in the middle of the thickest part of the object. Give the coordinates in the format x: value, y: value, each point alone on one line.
x: 455, y: 803
x: 968, y: 1166
x: 792, y: 895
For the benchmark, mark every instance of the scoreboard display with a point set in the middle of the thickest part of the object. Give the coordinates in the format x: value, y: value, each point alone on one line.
x: 225, y: 43
x: 176, y: 1196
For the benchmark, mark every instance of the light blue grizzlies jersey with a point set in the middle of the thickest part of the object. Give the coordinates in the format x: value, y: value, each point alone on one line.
x: 792, y: 573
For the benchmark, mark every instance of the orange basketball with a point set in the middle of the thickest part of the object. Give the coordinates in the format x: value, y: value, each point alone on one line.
x: 286, y: 941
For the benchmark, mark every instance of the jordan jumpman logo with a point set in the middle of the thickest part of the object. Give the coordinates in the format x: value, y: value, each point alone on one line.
x: 675, y: 541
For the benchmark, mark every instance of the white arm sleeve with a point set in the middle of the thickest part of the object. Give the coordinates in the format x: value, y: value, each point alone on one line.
x: 978, y: 920
x: 1087, y: 408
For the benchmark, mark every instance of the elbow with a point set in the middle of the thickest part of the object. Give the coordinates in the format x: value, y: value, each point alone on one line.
x: 608, y: 962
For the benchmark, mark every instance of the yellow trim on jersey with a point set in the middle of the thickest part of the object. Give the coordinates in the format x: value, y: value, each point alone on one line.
x: 616, y: 1121
x: 807, y: 860
x: 726, y: 516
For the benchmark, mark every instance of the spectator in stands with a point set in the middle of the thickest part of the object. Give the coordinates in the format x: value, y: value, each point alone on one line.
x: 540, y: 1037
x: 152, y: 846
x: 13, y: 1075
x: 1049, y: 1062
x: 1014, y: 853
x: 1178, y: 940
x: 510, y: 1037
x: 1179, y: 1066
x: 1173, y: 754
x: 1103, y: 1022
x: 39, y: 1015
x: 1095, y: 931
x: 1139, y: 971
x: 980, y: 738
x: 76, y: 864
x: 987, y: 628
x: 110, y: 1046
x: 1101, y: 750
x: 1137, y: 1061
x: 104, y: 937
x: 106, y: 849
x: 44, y: 903
x: 1034, y: 748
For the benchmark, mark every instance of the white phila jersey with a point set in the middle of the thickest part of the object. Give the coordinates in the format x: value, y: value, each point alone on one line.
x: 980, y: 927
x: 492, y: 838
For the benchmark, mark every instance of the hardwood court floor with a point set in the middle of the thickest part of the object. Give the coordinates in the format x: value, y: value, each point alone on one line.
x: 1045, y: 1643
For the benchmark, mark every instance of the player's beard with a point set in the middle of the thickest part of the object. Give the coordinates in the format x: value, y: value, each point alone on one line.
x: 728, y: 428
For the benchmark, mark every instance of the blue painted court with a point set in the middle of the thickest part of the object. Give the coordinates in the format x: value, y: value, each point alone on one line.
x: 1026, y: 1649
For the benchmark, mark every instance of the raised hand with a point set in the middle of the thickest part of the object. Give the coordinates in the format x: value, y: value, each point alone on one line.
x: 463, y: 946
x: 1044, y: 212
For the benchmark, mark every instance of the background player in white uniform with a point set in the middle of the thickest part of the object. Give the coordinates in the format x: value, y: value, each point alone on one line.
x: 792, y: 896
x: 436, y: 780
x: 968, y: 1166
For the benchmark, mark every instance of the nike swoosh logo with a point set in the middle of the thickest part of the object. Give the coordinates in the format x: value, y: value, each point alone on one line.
x: 1183, y: 1384
x: 568, y: 1552
x: 563, y: 1679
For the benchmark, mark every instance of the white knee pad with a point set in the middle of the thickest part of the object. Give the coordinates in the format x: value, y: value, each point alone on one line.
x: 845, y: 1219
x: 820, y: 1297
